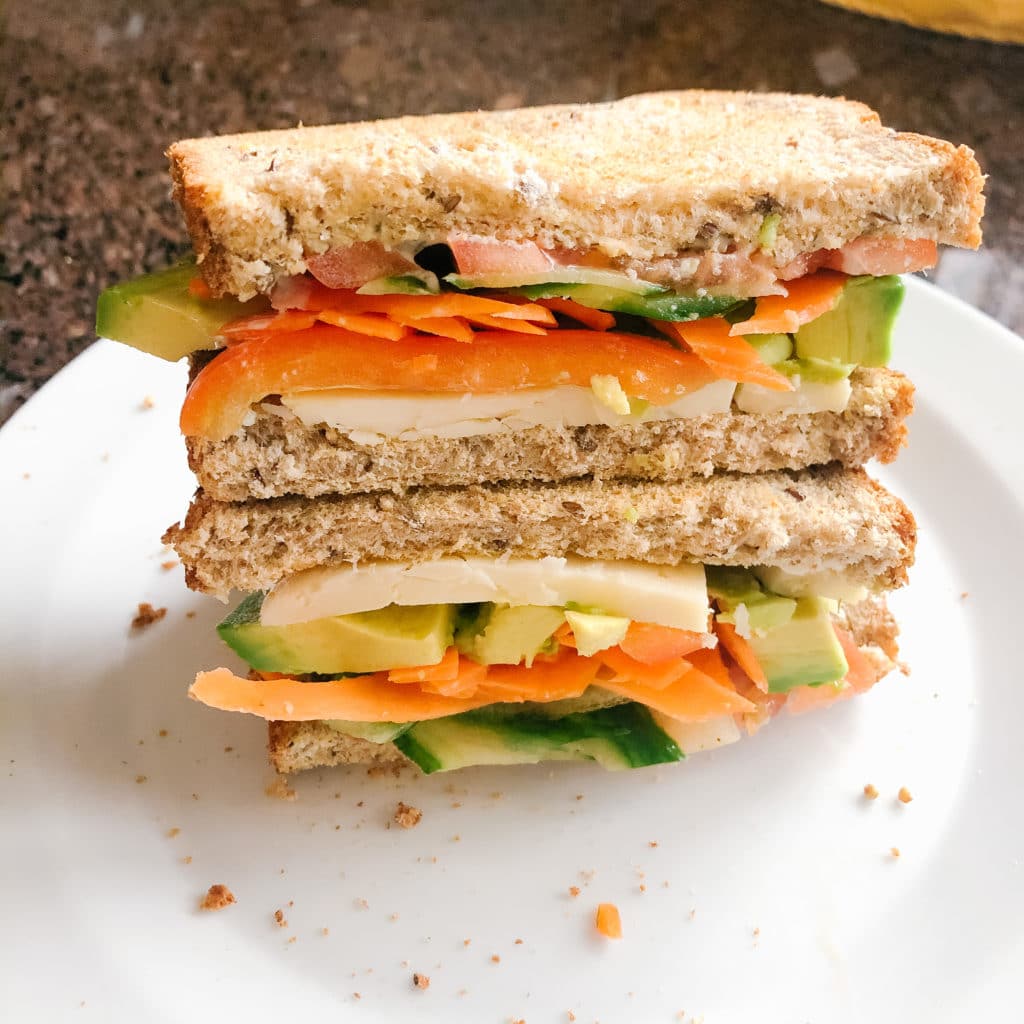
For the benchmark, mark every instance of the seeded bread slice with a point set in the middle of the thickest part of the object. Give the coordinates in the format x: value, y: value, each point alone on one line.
x: 819, y: 519
x: 276, y: 455
x: 642, y: 177
x: 299, y: 746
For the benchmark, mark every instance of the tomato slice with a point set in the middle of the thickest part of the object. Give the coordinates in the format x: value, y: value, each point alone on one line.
x: 496, y: 362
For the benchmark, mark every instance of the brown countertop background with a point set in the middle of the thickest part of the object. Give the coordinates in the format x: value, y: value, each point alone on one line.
x: 93, y: 92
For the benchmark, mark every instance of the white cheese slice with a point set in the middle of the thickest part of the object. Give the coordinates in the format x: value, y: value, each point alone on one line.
x: 667, y: 595
x: 832, y: 585
x: 693, y: 737
x: 810, y: 396
x: 375, y: 416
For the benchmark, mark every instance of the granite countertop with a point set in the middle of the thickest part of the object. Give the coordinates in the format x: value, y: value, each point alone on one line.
x: 95, y: 91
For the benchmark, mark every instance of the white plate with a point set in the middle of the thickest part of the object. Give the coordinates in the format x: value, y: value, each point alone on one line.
x: 771, y: 894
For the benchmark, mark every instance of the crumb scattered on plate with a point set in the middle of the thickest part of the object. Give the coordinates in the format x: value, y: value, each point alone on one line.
x: 147, y: 615
x: 904, y: 795
x: 168, y: 565
x: 574, y: 891
x: 147, y: 402
x: 141, y: 778
x: 894, y: 852
x: 280, y: 790
x: 282, y: 921
x: 406, y: 816
x: 421, y: 981
x: 172, y: 832
x: 871, y: 791
x: 217, y: 898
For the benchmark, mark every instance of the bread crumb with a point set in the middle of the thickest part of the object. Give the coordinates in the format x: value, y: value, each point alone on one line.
x: 643, y: 888
x: 187, y: 860
x: 325, y: 931
x: 147, y: 402
x: 652, y: 843
x: 406, y: 816
x: 570, y: 1015
x: 574, y: 891
x: 280, y: 790
x: 964, y: 595
x: 870, y: 791
x: 162, y: 732
x: 217, y: 898
x: 190, y: 615
x: 361, y: 904
x: 141, y: 778
x: 466, y: 942
x: 393, y: 917
x: 518, y: 942
x: 172, y: 832
x: 495, y: 959
x: 292, y: 938
x: 894, y: 852
x: 168, y: 565
x: 356, y: 995
x: 282, y: 921
x: 147, y: 615
x: 421, y: 981
x: 904, y: 795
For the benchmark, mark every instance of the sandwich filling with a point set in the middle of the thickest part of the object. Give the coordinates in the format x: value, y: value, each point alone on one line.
x: 483, y: 661
x: 516, y: 337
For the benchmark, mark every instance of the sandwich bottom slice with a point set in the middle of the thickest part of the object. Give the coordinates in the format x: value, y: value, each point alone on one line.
x: 628, y: 624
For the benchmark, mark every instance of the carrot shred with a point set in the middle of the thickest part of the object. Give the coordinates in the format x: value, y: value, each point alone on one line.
x: 371, y: 324
x: 595, y: 319
x: 446, y: 304
x: 564, y: 636
x: 250, y: 328
x: 651, y: 644
x: 808, y: 298
x: 445, y: 671
x: 497, y: 323
x: 728, y: 357
x: 693, y: 697
x: 556, y: 677
x: 742, y: 653
x: 199, y: 289
x: 630, y: 670
x: 454, y: 327
x: 608, y: 921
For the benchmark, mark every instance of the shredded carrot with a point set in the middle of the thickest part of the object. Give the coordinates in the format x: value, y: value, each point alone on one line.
x: 595, y: 319
x: 371, y: 324
x: 630, y: 670
x: 555, y: 677
x: 651, y: 644
x: 498, y: 323
x: 608, y: 921
x: 445, y: 304
x: 445, y: 671
x: 249, y: 328
x: 693, y: 697
x: 808, y: 298
x: 454, y: 327
x: 564, y: 636
x: 742, y: 653
x: 727, y: 357
x: 199, y: 289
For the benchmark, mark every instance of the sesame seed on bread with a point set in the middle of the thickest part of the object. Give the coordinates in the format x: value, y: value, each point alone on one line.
x: 640, y: 178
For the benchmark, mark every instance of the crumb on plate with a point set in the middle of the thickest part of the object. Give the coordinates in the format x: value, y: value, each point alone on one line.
x: 871, y: 791
x: 280, y: 790
x: 147, y: 615
x: 282, y: 921
x: 406, y: 816
x: 217, y: 898
x: 420, y: 981
x: 904, y: 795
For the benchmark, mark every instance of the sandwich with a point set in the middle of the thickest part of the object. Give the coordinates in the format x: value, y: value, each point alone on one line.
x: 539, y: 434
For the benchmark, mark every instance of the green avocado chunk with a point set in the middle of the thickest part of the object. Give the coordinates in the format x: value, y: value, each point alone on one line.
x: 392, y: 637
x: 624, y: 736
x: 659, y: 305
x: 157, y: 314
x: 504, y: 635
x: 804, y: 651
x: 732, y: 587
x: 858, y: 329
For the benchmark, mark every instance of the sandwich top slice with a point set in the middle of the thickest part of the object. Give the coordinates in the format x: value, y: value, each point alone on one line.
x: 628, y: 623
x: 665, y: 285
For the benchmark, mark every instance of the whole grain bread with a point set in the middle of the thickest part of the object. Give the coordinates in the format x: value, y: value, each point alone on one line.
x: 818, y: 519
x: 276, y: 456
x: 643, y: 177
x: 299, y: 746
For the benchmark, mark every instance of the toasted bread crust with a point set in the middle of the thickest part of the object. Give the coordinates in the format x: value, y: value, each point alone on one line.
x: 643, y: 177
x: 824, y: 518
x: 299, y: 746
x: 274, y: 456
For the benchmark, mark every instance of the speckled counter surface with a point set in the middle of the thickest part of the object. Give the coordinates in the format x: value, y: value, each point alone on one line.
x: 94, y: 91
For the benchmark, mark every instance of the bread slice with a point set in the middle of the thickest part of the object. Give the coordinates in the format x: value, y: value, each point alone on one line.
x: 818, y: 519
x: 276, y: 456
x: 642, y: 177
x: 299, y: 746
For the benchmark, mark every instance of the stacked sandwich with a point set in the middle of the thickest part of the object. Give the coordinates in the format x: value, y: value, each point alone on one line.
x: 538, y: 434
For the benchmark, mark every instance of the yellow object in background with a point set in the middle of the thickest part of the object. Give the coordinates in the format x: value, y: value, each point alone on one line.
x: 1000, y: 20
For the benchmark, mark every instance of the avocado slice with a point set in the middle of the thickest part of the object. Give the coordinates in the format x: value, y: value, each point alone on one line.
x: 594, y: 632
x: 625, y: 736
x: 392, y: 637
x: 772, y: 348
x: 858, y: 329
x: 157, y: 314
x: 804, y: 651
x: 732, y: 587
x: 506, y: 635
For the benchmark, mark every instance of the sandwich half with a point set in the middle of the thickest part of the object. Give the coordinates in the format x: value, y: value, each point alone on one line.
x: 538, y: 434
x: 629, y: 622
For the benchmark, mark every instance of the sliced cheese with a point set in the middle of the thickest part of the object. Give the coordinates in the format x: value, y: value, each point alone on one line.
x: 832, y: 585
x: 809, y: 396
x: 693, y: 737
x: 667, y: 595
x: 377, y: 416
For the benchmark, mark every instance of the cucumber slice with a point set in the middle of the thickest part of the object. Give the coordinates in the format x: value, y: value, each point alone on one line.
x: 157, y: 314
x: 424, y: 283
x: 375, y: 732
x: 619, y: 737
x: 613, y: 279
